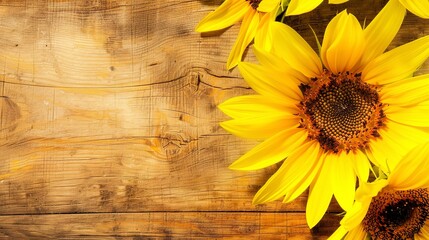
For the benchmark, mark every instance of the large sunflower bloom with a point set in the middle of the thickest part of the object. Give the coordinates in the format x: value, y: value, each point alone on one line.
x: 392, y: 208
x: 256, y: 16
x: 329, y: 120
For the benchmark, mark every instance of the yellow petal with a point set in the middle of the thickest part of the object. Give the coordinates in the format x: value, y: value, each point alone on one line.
x: 320, y: 195
x: 378, y: 34
x: 297, y: 7
x: 398, y: 63
x: 302, y: 185
x: 272, y: 61
x: 418, y: 7
x: 230, y: 12
x: 361, y: 166
x: 343, y: 44
x: 260, y: 127
x: 367, y: 191
x: 270, y: 83
x: 272, y: 150
x: 377, y: 157
x: 364, y: 195
x: 412, y: 171
x: 264, y: 36
x: 268, y: 5
x: 343, y: 179
x: 337, y: 1
x: 395, y: 142
x: 412, y: 116
x: 247, y: 32
x: 407, y: 92
x: 254, y: 106
x: 299, y: 165
x: 356, y: 233
x: 355, y: 215
x: 423, y: 234
x: 289, y: 45
x: 338, y: 234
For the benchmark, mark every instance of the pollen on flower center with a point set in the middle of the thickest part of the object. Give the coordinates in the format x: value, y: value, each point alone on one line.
x: 341, y: 111
x: 254, y: 3
x: 397, y: 214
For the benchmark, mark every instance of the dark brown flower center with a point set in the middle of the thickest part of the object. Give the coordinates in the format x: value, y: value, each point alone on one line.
x: 341, y: 111
x: 397, y: 214
x: 254, y: 3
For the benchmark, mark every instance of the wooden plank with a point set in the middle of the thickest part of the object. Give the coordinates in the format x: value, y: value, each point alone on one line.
x: 70, y: 152
x: 166, y: 225
x: 110, y: 106
x: 95, y: 120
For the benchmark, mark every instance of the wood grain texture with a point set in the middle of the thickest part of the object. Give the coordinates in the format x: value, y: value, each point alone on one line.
x: 165, y: 225
x: 109, y: 125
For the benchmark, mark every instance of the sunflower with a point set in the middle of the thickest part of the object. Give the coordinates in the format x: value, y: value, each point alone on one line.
x: 331, y: 116
x: 256, y: 15
x: 417, y: 7
x: 392, y: 208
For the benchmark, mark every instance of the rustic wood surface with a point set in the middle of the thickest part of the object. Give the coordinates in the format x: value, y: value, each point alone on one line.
x: 109, y: 126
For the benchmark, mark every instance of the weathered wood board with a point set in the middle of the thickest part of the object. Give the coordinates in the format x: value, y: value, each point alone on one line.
x: 109, y: 125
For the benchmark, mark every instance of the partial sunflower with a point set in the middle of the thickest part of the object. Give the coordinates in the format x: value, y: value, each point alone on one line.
x: 331, y: 120
x: 256, y: 15
x: 417, y: 7
x: 392, y: 208
x: 297, y: 7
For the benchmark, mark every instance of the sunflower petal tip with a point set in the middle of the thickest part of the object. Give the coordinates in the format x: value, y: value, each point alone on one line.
x: 230, y: 66
x: 221, y: 106
x: 233, y: 166
x: 257, y: 201
x: 311, y: 223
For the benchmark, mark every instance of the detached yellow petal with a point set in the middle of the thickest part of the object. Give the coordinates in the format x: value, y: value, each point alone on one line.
x: 224, y: 16
x: 293, y: 170
x: 418, y: 7
x: 297, y: 7
x: 289, y: 45
x: 343, y: 44
x: 412, y: 171
x: 272, y: 150
x: 247, y: 32
x: 381, y: 31
x: 398, y: 63
x: 320, y: 194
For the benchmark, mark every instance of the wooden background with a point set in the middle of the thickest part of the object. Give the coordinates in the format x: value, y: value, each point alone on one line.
x: 109, y: 126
